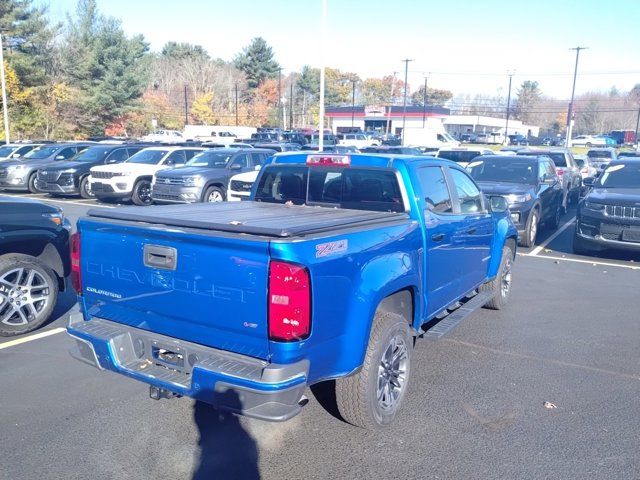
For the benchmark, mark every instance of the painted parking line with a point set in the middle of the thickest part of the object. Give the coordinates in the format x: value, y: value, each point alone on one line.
x: 579, y: 260
x: 544, y: 244
x: 83, y: 203
x: 31, y: 338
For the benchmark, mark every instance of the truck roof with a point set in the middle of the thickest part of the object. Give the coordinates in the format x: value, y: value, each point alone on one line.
x: 256, y: 218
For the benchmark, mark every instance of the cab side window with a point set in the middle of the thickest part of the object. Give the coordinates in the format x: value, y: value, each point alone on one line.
x: 542, y: 171
x: 435, y: 190
x: 177, y: 157
x: 469, y: 195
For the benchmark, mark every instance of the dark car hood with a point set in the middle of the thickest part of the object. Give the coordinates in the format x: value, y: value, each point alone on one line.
x: 615, y: 196
x: 62, y: 165
x: 500, y: 188
x: 206, y: 172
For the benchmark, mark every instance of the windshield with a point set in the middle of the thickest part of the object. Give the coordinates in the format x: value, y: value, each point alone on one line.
x: 354, y: 188
x: 42, y: 152
x: 458, y: 156
x: 149, y: 157
x: 6, y: 151
x: 621, y: 176
x: 92, y: 154
x: 599, y: 154
x: 210, y: 159
x: 504, y: 170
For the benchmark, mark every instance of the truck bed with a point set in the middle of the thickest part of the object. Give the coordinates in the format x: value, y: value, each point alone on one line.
x: 254, y: 218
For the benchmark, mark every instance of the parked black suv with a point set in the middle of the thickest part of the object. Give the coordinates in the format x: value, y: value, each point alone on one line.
x: 72, y: 177
x: 530, y: 185
x: 34, y: 262
x: 609, y: 216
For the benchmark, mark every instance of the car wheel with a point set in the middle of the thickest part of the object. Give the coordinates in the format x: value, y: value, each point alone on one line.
x: 31, y: 185
x: 531, y: 232
x: 588, y: 144
x: 28, y: 294
x: 501, y: 285
x: 372, y: 397
x: 214, y: 195
x: 142, y: 193
x: 85, y: 188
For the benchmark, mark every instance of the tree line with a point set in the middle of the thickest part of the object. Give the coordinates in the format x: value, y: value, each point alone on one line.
x: 86, y: 77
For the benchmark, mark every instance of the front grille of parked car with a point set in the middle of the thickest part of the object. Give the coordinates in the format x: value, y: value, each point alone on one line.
x: 49, y: 177
x: 620, y: 211
x: 240, y: 186
x: 3, y: 173
x: 101, y: 188
x: 102, y: 174
x: 162, y: 196
x: 169, y: 180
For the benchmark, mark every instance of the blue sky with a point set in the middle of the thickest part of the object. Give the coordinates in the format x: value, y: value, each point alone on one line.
x: 467, y: 46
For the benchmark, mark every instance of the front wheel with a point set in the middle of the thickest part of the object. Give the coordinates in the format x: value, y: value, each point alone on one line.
x: 531, y: 231
x: 31, y: 185
x: 28, y: 294
x: 214, y: 195
x: 501, y: 285
x: 372, y: 397
x: 142, y: 193
x: 85, y: 188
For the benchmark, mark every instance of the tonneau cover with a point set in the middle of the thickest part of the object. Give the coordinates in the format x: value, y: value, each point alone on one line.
x: 268, y: 219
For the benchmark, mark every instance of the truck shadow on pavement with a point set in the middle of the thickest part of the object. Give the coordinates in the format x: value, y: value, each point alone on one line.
x: 226, y: 448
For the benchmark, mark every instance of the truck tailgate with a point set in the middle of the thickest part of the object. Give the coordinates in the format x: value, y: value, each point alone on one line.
x: 204, y: 288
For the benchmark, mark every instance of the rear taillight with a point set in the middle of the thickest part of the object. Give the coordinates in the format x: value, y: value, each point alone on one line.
x: 76, y: 275
x: 289, y: 302
x: 560, y: 172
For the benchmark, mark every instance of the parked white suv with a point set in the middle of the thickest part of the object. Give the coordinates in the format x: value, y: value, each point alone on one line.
x: 240, y: 185
x: 358, y: 140
x: 588, y: 141
x: 131, y: 180
x: 167, y: 136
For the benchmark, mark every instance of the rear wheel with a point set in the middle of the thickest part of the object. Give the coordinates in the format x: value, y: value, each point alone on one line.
x: 214, y: 195
x: 142, y: 193
x: 85, y: 188
x: 501, y: 285
x: 372, y: 397
x: 531, y: 232
x: 28, y: 294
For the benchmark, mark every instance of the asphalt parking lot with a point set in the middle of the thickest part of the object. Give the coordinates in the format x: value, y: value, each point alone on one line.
x: 547, y: 388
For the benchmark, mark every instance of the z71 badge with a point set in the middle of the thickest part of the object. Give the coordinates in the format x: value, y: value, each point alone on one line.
x: 331, y: 248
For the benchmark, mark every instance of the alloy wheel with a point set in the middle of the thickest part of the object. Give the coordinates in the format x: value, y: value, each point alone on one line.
x: 392, y: 373
x: 24, y: 293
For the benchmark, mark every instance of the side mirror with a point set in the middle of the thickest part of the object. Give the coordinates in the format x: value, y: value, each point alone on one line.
x: 589, y: 181
x: 235, y: 166
x: 170, y: 163
x: 498, y: 204
x: 257, y: 168
x: 59, y: 157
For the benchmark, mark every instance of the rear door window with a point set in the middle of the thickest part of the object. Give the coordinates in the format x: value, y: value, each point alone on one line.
x: 178, y: 157
x: 67, y: 152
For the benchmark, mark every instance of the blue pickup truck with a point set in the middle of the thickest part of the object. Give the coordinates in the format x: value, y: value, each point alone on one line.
x: 332, y: 271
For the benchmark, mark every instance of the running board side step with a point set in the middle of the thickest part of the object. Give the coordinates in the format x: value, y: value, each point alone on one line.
x: 435, y: 331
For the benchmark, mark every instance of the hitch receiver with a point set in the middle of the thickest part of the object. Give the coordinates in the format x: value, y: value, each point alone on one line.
x: 156, y: 393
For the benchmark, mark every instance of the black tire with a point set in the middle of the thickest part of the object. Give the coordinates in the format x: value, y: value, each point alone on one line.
x: 554, y: 223
x: 589, y: 145
x: 501, y: 285
x: 214, y: 192
x: 85, y: 190
x: 16, y: 317
x: 141, y: 194
x: 31, y: 184
x: 357, y: 395
x: 531, y: 231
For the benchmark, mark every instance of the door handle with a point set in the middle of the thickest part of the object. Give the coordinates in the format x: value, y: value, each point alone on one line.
x: 472, y: 230
x: 157, y: 256
x: 437, y: 237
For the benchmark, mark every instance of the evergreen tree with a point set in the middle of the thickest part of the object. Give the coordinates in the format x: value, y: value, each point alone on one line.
x: 257, y: 63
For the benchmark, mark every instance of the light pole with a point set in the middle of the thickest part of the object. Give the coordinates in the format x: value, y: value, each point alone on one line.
x: 5, y: 109
x: 393, y: 83
x: 353, y: 103
x: 573, y: 92
x: 186, y: 108
x: 424, y: 104
x: 404, y: 101
x: 236, y: 104
x: 291, y: 107
x: 280, y: 114
x: 506, y: 127
x: 637, y: 125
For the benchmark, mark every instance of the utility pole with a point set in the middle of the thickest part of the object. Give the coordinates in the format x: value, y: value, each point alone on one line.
x: 637, y: 124
x: 186, y: 109
x: 5, y: 109
x: 404, y: 101
x: 353, y: 103
x: 573, y: 92
x: 424, y: 104
x: 280, y: 116
x: 236, y: 104
x: 393, y: 83
x: 323, y: 36
x: 291, y: 107
x: 506, y: 128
